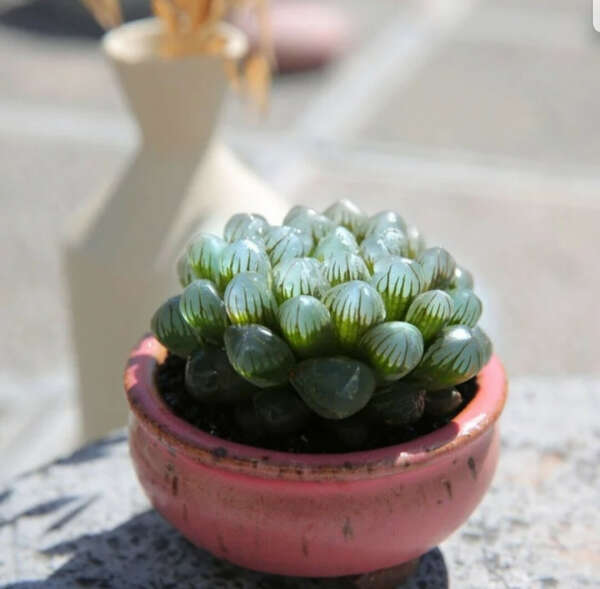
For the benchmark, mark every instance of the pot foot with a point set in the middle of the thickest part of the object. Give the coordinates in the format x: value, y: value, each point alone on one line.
x: 384, y: 578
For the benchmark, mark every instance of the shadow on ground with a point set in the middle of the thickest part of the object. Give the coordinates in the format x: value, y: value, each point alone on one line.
x: 146, y: 552
x: 64, y: 18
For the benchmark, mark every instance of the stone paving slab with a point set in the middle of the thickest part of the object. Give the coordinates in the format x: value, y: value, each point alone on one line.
x: 83, y: 521
x: 500, y: 99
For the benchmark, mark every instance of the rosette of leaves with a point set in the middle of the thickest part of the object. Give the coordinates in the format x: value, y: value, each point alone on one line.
x: 333, y: 316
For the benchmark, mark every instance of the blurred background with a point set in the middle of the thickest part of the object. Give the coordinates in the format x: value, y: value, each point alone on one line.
x: 476, y: 120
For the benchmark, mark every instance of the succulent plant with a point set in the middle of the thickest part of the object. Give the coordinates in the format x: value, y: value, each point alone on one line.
x: 335, y: 317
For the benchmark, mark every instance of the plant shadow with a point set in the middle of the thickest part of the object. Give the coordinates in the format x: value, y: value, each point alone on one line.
x: 146, y: 551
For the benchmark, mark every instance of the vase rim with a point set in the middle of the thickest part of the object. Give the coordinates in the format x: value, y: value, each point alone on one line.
x: 478, y: 417
x: 137, y: 41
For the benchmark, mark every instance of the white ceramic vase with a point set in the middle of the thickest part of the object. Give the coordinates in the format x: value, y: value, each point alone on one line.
x: 121, y: 249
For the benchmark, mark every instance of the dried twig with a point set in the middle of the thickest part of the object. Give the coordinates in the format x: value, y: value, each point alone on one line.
x: 191, y: 28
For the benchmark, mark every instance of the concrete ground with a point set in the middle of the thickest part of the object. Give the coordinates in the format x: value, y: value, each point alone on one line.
x: 477, y: 120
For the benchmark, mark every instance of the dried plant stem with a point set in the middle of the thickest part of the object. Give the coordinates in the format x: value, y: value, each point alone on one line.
x: 106, y: 12
x: 191, y: 28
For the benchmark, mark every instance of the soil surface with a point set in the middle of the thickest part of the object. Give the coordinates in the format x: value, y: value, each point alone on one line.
x: 238, y: 423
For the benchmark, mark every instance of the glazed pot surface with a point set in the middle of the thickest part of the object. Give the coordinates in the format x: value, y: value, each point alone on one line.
x: 311, y: 515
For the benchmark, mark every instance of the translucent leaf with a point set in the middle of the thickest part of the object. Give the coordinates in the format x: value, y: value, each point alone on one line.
x: 318, y: 226
x: 383, y: 220
x: 467, y: 308
x: 345, y: 213
x: 298, y: 276
x: 245, y: 226
x: 430, y: 311
x: 354, y: 306
x: 242, y: 256
x: 442, y: 403
x: 393, y: 348
x: 485, y: 342
x: 342, y: 266
x: 210, y: 378
x: 203, y: 310
x: 334, y: 388
x: 416, y: 242
x: 185, y: 272
x: 398, y: 281
x: 453, y: 357
x: 389, y: 242
x: 438, y: 267
x: 337, y: 240
x: 204, y: 254
x: 462, y: 279
x: 283, y: 243
x: 258, y: 355
x: 373, y: 250
x: 306, y: 325
x: 398, y: 404
x: 298, y: 211
x: 172, y: 331
x: 248, y: 299
x: 281, y: 410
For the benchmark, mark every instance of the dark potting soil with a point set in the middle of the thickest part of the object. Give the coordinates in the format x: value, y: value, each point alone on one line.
x: 318, y: 437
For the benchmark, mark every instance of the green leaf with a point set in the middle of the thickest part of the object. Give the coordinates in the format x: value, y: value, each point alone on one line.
x: 310, y: 221
x: 398, y: 404
x: 430, y: 311
x: 372, y: 250
x: 245, y: 226
x: 398, y: 281
x: 298, y: 276
x: 258, y: 355
x: 203, y: 254
x: 389, y: 242
x: 438, y: 267
x: 242, y: 256
x: 485, y: 343
x: 453, y: 357
x: 382, y: 221
x: 342, y: 266
x: 442, y: 403
x: 298, y: 211
x: 185, y: 272
x: 354, y: 306
x: 210, y: 378
x: 462, y: 279
x: 281, y: 410
x: 248, y: 299
x: 340, y: 239
x: 334, y: 388
x: 172, y: 331
x: 393, y: 348
x: 416, y: 242
x: 306, y: 325
x: 203, y: 310
x: 345, y: 213
x: 467, y: 308
x: 283, y: 243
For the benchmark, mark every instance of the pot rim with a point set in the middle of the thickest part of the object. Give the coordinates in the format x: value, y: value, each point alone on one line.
x: 136, y: 42
x: 160, y: 422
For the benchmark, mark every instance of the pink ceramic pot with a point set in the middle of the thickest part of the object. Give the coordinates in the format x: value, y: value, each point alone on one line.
x: 311, y: 515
